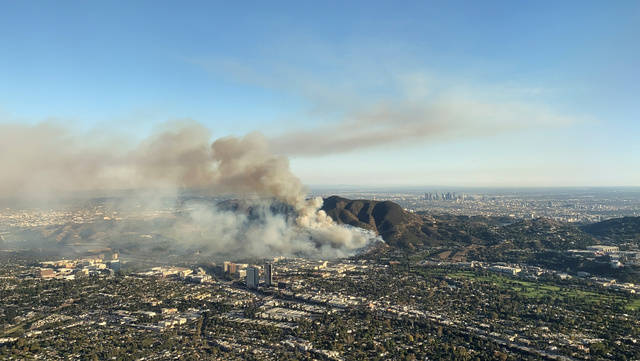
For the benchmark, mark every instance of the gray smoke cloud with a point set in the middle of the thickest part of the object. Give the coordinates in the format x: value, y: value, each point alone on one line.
x: 411, y: 122
x: 48, y: 159
x: 374, y: 98
x: 45, y: 160
x: 270, y: 234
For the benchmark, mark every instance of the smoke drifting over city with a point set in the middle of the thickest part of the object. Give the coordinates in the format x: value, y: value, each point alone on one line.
x: 43, y: 161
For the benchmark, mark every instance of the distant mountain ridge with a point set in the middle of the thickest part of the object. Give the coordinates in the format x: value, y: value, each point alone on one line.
x: 399, y: 228
x: 402, y: 229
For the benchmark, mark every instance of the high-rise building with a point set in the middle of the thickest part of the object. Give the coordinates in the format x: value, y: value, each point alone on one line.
x: 253, y: 277
x: 229, y: 267
x: 268, y: 274
x: 114, y: 265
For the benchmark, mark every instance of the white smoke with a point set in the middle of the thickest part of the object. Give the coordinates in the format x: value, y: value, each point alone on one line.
x: 220, y: 231
x: 49, y: 160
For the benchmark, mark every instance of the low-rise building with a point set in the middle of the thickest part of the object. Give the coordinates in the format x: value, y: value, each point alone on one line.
x: 506, y: 269
x: 47, y: 273
x: 603, y: 249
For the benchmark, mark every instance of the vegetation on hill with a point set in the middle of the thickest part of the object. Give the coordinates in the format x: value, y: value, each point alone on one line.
x: 388, y: 219
x: 544, y: 233
x: 616, y: 229
x: 399, y: 228
x: 403, y: 229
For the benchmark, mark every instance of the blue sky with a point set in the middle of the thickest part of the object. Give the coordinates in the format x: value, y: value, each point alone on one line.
x: 503, y: 93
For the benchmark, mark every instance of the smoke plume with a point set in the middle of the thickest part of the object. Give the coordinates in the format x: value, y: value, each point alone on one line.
x: 407, y: 122
x: 376, y: 100
x: 267, y: 233
x: 46, y: 160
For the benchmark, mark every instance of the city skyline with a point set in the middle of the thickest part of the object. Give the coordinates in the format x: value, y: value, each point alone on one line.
x: 490, y: 95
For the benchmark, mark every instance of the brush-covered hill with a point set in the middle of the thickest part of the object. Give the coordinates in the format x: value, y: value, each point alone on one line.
x: 545, y: 233
x: 388, y: 219
x: 616, y: 229
x: 400, y: 228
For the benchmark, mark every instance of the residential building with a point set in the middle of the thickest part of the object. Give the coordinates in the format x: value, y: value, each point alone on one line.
x: 253, y: 277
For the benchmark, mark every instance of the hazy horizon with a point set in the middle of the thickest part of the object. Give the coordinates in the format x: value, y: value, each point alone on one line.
x: 543, y: 95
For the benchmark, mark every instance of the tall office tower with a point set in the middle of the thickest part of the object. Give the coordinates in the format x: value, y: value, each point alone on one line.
x: 253, y: 277
x: 268, y: 274
x: 229, y: 267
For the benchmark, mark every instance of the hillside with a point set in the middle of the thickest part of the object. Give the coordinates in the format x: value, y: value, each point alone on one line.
x: 396, y: 226
x: 400, y: 228
x: 545, y: 233
x: 616, y: 230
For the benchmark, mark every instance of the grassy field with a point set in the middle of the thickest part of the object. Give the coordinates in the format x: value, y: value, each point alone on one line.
x: 539, y: 290
x: 634, y: 305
